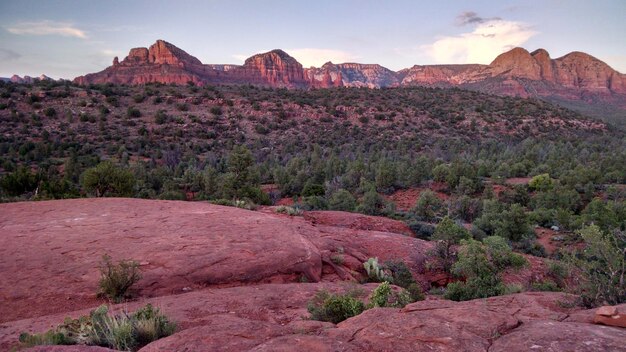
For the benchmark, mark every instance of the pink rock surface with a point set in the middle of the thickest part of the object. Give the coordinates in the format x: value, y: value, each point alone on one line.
x: 240, y: 271
x: 358, y: 221
x: 50, y: 251
x: 561, y: 336
x: 273, y: 317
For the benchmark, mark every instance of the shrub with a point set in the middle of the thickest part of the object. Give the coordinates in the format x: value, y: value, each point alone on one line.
x: 475, y: 288
x: 342, y: 200
x: 160, y: 117
x: 400, y: 273
x: 216, y: 110
x: 428, y: 206
x: 375, y: 271
x: 334, y: 308
x: 558, y: 272
x: 172, y: 195
x: 312, y: 189
x: 291, y: 211
x: 481, y: 274
x: 422, y: 230
x: 222, y: 201
x: 108, y: 180
x: 447, y: 233
x: 546, y: 286
x: 371, y: 204
x: 541, y: 182
x: 116, y: 279
x: 602, y: 265
x: 501, y: 255
x: 133, y: 112
x: 51, y: 337
x: 127, y: 332
x: 315, y: 203
x: 380, y: 296
x: 150, y: 325
x: 384, y: 296
x: 415, y: 292
x: 261, y: 129
x: 50, y: 112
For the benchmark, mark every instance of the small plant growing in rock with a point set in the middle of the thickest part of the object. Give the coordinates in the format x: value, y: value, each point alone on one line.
x: 291, y: 211
x: 337, y: 259
x: 384, y: 296
x: 380, y: 296
x: 334, y: 308
x: 375, y: 271
x: 117, y: 279
x: 126, y: 332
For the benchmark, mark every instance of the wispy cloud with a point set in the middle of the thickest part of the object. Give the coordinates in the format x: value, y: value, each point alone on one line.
x: 8, y: 55
x: 46, y: 28
x: 471, y: 17
x: 487, y: 39
x: 312, y: 56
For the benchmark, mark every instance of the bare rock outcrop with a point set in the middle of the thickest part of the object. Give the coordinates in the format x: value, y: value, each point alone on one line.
x: 273, y: 317
x: 232, y: 280
x: 611, y: 316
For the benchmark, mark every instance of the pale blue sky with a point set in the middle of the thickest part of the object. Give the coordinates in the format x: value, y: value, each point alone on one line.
x: 70, y: 38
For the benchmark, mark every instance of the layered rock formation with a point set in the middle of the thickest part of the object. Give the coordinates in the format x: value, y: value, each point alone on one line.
x: 573, y: 77
x: 165, y: 63
x: 351, y: 75
x: 276, y: 68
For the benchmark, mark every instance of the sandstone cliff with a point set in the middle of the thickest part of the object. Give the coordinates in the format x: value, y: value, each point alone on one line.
x: 575, y: 77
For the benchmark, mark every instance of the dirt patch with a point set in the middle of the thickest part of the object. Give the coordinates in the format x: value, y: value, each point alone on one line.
x: 517, y: 180
x: 406, y: 199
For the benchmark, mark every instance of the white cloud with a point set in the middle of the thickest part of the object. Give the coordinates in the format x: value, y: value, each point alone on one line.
x: 488, y: 39
x: 47, y: 28
x: 312, y: 56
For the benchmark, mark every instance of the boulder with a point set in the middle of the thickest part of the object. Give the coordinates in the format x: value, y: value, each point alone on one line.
x: 611, y: 315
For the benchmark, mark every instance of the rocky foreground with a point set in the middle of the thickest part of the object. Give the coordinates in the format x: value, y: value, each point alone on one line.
x: 238, y: 280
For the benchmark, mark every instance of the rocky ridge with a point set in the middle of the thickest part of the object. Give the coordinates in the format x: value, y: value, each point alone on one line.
x: 573, y: 77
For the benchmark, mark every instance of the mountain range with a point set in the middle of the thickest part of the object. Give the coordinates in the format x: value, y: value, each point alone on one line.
x: 572, y: 79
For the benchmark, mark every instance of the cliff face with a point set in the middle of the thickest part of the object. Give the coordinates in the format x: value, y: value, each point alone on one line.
x: 575, y: 76
x: 447, y: 75
x: 275, y: 68
x: 351, y: 75
x: 163, y: 62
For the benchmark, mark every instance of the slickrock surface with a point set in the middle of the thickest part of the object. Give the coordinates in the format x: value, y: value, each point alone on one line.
x: 233, y: 280
x: 272, y: 317
x: 54, y: 248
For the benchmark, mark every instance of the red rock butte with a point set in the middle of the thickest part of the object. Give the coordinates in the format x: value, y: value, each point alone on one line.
x: 575, y: 76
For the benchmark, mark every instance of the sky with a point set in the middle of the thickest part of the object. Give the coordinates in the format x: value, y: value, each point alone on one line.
x: 68, y: 38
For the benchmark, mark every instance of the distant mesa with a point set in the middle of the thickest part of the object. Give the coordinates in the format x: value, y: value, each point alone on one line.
x: 573, y: 77
x: 29, y: 79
